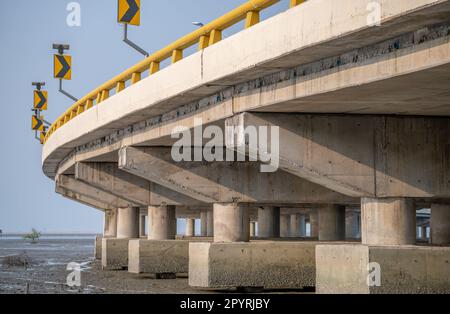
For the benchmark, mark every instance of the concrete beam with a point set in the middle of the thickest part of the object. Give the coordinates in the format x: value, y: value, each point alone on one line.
x: 107, y: 177
x: 85, y: 200
x: 361, y: 156
x: 224, y: 182
x: 68, y: 182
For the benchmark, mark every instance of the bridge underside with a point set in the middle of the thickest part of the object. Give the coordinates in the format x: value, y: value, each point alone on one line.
x: 364, y: 141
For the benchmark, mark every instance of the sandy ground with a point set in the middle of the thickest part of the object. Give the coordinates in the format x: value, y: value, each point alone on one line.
x: 47, y: 273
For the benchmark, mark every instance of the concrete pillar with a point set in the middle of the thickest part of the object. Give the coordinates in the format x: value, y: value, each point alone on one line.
x: 423, y: 232
x: 332, y: 223
x: 231, y: 223
x: 440, y: 224
x: 128, y: 223
x: 351, y: 224
x: 204, y: 223
x: 314, y: 223
x: 388, y: 221
x: 285, y: 226
x: 269, y: 222
x: 294, y: 231
x: 210, y: 223
x: 164, y: 222
x: 111, y: 223
x: 142, y: 226
x: 190, y: 227
x: 302, y: 225
x: 252, y: 229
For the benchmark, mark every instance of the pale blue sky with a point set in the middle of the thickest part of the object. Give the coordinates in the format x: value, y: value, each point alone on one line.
x: 28, y: 28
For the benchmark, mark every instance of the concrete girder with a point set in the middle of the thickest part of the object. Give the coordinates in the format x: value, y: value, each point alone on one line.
x: 361, y: 156
x: 70, y: 183
x: 85, y: 200
x: 224, y: 182
x: 107, y: 177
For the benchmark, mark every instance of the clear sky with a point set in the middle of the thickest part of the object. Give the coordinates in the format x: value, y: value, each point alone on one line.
x: 28, y: 28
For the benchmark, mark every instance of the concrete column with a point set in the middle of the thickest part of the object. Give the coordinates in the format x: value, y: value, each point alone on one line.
x: 164, y: 222
x: 142, y: 226
x: 388, y: 221
x: 285, y: 226
x: 105, y: 224
x: 252, y: 229
x: 440, y: 224
x: 269, y: 222
x: 128, y: 223
x: 423, y: 231
x: 190, y: 227
x: 204, y: 224
x: 314, y: 223
x: 302, y: 225
x: 210, y: 223
x: 231, y: 223
x: 351, y: 224
x: 111, y: 221
x: 332, y: 223
x: 294, y: 231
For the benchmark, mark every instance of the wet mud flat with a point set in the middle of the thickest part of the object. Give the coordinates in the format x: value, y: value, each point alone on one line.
x: 42, y: 269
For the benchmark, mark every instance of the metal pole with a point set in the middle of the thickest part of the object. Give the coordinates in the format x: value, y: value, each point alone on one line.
x: 132, y: 44
x: 62, y: 91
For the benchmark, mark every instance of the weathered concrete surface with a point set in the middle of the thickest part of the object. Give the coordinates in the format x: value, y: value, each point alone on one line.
x: 390, y: 221
x: 107, y: 177
x: 159, y: 257
x: 352, y: 224
x: 332, y: 223
x: 440, y: 224
x: 361, y: 156
x: 164, y: 222
x: 82, y: 199
x: 128, y: 223
x: 269, y: 222
x: 231, y: 223
x: 115, y: 254
x: 404, y: 269
x: 69, y: 183
x: 269, y: 265
x: 98, y: 247
x: 337, y: 29
x: 224, y: 182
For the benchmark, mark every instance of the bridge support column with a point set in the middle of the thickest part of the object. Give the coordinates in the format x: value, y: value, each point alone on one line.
x: 190, y: 227
x: 314, y: 223
x: 164, y: 222
x: 269, y: 222
x: 252, y: 229
x: 352, y: 224
x: 302, y: 225
x: 142, y: 219
x: 285, y: 226
x: 423, y: 233
x: 231, y: 223
x: 388, y: 221
x: 294, y: 228
x: 204, y: 224
x: 128, y: 223
x: 440, y: 224
x: 332, y: 223
x: 210, y: 223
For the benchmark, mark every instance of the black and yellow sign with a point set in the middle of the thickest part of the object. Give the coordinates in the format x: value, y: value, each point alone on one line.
x: 42, y: 137
x: 37, y: 123
x: 129, y: 12
x: 62, y: 67
x: 40, y: 100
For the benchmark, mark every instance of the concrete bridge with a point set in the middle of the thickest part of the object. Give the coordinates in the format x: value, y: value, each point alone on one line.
x: 362, y: 113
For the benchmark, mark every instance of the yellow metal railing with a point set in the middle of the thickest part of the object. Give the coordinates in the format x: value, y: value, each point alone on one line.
x: 205, y: 36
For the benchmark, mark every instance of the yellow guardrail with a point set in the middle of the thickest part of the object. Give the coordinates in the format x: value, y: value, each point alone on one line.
x: 205, y: 36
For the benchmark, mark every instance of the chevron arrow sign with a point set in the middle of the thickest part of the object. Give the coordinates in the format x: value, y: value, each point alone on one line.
x: 37, y: 124
x: 40, y: 100
x: 62, y: 67
x: 129, y: 12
